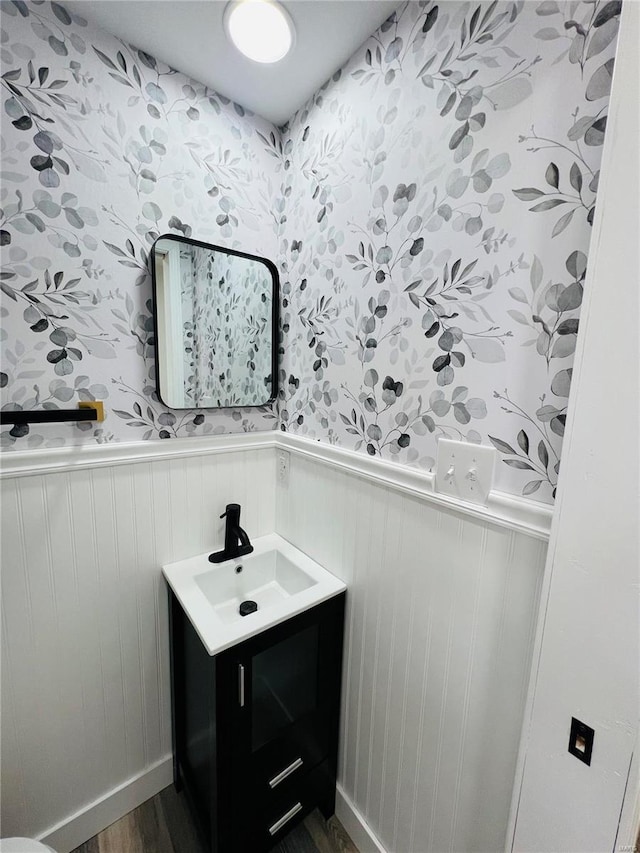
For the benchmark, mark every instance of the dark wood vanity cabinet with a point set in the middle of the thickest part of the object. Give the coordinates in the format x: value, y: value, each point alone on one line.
x: 255, y: 727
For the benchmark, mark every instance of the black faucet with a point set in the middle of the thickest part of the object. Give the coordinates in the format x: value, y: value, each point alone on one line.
x: 236, y: 541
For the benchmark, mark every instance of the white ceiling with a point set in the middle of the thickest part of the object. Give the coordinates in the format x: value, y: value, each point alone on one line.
x: 189, y: 36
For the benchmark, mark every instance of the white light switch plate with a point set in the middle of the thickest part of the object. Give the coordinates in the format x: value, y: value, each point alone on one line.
x: 465, y: 470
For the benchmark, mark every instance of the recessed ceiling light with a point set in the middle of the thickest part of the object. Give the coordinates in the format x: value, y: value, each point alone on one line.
x: 260, y: 29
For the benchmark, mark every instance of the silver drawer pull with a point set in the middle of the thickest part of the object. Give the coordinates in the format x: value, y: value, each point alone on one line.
x: 286, y: 772
x: 285, y: 819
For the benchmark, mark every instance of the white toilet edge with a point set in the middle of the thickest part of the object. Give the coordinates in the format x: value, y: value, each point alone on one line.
x: 23, y: 845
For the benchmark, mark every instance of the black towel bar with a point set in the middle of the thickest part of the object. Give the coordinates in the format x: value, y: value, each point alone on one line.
x: 85, y: 412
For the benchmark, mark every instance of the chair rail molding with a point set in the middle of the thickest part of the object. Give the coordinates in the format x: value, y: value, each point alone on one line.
x: 509, y: 511
x: 26, y: 463
x: 514, y: 513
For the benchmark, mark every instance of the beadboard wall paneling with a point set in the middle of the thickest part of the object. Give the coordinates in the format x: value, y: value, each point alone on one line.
x: 440, y: 620
x: 85, y: 671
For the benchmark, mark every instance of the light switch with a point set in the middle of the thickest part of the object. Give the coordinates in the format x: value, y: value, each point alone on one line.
x: 465, y: 470
x: 581, y: 740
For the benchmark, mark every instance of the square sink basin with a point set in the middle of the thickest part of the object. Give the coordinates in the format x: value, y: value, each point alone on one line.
x: 277, y: 576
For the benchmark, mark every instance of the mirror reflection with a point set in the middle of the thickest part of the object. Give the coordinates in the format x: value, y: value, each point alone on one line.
x: 216, y: 316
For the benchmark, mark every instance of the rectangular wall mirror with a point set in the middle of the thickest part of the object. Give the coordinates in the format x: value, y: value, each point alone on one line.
x: 216, y: 318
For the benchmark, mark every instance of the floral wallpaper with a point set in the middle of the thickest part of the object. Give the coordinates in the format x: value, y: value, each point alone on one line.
x: 226, y: 309
x: 430, y: 208
x: 439, y: 192
x: 103, y: 149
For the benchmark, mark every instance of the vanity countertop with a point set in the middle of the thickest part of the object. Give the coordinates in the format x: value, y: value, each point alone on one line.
x: 282, y: 580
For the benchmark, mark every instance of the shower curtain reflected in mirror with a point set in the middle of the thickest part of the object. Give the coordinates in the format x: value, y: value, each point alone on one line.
x: 215, y: 319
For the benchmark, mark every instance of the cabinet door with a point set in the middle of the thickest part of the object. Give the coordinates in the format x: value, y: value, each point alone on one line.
x: 288, y: 682
x: 284, y: 685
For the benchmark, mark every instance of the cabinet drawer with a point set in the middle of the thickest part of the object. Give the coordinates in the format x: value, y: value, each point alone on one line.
x: 299, y: 748
x: 281, y: 809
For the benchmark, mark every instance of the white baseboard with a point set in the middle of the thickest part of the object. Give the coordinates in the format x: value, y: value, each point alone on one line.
x: 93, y: 818
x: 358, y: 829
x: 74, y: 830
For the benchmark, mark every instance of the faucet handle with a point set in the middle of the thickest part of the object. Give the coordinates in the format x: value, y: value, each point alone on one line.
x: 230, y: 509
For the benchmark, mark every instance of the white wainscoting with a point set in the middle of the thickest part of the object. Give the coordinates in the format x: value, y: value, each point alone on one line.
x: 85, y: 699
x: 440, y: 623
x: 441, y: 605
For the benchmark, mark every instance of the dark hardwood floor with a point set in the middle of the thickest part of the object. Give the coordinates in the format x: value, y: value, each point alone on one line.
x: 163, y: 825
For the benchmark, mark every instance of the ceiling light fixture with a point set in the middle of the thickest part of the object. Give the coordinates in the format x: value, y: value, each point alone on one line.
x: 260, y: 29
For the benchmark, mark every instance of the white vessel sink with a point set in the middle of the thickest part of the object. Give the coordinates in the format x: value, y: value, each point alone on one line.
x: 280, y: 578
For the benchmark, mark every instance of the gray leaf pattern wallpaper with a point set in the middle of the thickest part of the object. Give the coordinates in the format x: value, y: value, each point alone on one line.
x: 430, y: 209
x: 437, y: 202
x: 103, y: 150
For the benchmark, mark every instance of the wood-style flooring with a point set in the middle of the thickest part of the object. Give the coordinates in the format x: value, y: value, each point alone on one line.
x: 163, y: 825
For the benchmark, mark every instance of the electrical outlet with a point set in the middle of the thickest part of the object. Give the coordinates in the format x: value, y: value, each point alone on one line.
x: 465, y: 470
x: 283, y: 467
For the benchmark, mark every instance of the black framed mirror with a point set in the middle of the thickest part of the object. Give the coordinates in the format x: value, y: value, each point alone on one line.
x: 216, y: 325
